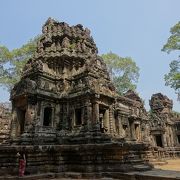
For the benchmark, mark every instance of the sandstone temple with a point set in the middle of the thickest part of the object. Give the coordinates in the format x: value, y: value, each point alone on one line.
x: 67, y: 114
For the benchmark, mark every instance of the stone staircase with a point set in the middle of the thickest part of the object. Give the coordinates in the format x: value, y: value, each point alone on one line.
x: 154, y: 159
x: 138, y: 163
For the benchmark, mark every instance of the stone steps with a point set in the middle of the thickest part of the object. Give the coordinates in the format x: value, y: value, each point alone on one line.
x: 154, y: 174
x: 157, y: 161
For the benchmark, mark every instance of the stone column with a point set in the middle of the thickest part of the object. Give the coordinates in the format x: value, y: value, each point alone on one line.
x: 83, y: 119
x: 96, y: 113
x: 106, y: 120
x: 56, y: 116
x: 89, y: 114
x: 74, y: 117
x: 132, y: 129
x: 128, y: 129
x: 14, y: 123
x: 164, y: 140
x: 65, y: 115
x: 111, y: 122
x: 153, y: 140
x: 119, y: 122
x: 168, y: 135
x: 29, y: 117
x: 41, y: 114
x: 137, y: 132
x: 172, y: 136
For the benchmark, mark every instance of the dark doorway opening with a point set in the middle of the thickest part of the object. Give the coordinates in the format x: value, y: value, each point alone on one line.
x: 78, y: 116
x: 117, y: 123
x: 178, y: 127
x: 178, y: 138
x: 21, y: 112
x: 47, y: 116
x: 159, y: 140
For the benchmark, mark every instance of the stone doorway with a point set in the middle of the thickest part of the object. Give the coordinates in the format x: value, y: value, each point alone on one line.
x: 47, y: 121
x: 78, y: 116
x: 21, y: 114
x: 158, y: 139
x: 178, y: 139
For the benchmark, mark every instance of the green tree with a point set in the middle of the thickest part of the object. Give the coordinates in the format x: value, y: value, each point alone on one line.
x: 172, y: 79
x: 12, y: 62
x: 123, y: 71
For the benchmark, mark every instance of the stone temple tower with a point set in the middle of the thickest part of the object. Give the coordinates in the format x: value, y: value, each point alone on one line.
x: 64, y: 90
x: 66, y: 111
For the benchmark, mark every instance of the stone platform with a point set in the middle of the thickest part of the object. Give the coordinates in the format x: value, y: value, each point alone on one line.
x: 84, y: 158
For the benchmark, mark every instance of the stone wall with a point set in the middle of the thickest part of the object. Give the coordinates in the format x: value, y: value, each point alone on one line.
x: 5, y: 122
x: 89, y: 158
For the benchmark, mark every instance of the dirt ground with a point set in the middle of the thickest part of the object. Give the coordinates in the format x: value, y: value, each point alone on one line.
x: 172, y: 165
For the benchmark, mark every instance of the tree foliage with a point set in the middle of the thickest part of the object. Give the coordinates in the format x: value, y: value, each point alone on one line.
x: 173, y: 42
x: 12, y: 62
x: 172, y: 79
x: 123, y: 71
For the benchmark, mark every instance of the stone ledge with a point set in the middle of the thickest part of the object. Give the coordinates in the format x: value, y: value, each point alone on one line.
x: 154, y: 174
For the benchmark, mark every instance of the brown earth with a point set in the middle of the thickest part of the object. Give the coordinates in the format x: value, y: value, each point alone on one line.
x: 173, y: 164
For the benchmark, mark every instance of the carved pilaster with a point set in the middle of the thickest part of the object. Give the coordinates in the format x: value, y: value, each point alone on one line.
x: 88, y: 112
x: 111, y: 125
x: 96, y: 113
x: 164, y: 140
x: 119, y: 122
x: 132, y: 129
x: 106, y: 121
x: 14, y: 123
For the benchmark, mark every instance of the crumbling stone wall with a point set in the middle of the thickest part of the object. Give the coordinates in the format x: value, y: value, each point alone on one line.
x: 5, y: 122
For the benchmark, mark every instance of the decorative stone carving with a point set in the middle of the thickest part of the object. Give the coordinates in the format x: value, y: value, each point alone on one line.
x: 65, y: 43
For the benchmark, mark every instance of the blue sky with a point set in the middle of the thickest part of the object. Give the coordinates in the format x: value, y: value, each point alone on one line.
x: 128, y: 28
